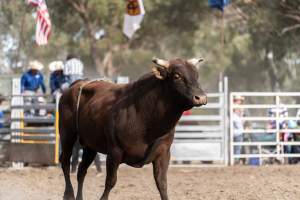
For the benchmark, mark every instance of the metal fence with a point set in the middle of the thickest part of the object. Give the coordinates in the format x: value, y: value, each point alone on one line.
x: 5, y: 121
x: 31, y: 127
x: 202, y: 134
x: 270, y: 130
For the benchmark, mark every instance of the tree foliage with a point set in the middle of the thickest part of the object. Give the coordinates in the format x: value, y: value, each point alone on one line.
x: 255, y: 42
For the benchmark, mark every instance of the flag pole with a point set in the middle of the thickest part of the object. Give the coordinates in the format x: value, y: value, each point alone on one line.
x: 222, y: 30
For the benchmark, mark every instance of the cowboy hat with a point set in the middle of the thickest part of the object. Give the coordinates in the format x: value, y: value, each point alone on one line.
x: 35, y: 65
x: 56, y: 65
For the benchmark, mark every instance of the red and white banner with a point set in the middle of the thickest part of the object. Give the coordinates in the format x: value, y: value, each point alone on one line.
x: 43, y: 25
x: 134, y: 15
x: 34, y: 2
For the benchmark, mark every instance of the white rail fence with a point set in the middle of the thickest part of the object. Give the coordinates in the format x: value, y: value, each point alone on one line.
x: 272, y: 131
x: 269, y: 128
x: 202, y: 135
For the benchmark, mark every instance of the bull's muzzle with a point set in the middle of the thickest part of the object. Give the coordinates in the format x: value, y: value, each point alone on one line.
x: 200, y: 100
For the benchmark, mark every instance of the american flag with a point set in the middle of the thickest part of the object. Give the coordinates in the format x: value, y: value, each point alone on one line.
x: 43, y: 25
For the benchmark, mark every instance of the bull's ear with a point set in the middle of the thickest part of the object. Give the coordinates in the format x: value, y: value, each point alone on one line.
x: 195, y: 61
x: 160, y: 72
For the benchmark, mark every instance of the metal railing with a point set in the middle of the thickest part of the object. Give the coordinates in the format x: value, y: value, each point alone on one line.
x: 202, y: 135
x: 270, y: 133
x: 5, y: 122
x: 34, y: 122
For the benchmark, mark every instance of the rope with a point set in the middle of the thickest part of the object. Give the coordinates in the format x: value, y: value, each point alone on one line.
x: 79, y: 96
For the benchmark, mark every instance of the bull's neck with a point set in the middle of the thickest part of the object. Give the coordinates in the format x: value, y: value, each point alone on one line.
x: 155, y: 104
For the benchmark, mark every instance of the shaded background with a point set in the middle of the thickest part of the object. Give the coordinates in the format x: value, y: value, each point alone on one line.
x: 254, y: 42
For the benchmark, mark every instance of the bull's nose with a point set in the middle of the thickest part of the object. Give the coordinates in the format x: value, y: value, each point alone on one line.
x: 200, y: 100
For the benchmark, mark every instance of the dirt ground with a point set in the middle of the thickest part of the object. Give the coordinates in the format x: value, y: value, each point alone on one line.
x: 210, y: 183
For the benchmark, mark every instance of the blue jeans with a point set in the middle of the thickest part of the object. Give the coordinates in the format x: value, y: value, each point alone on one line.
x: 238, y: 149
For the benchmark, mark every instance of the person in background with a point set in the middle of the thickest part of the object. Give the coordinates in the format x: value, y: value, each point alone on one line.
x: 75, y: 157
x: 238, y: 126
x: 2, y: 98
x: 58, y: 80
x: 32, y: 80
x: 73, y: 68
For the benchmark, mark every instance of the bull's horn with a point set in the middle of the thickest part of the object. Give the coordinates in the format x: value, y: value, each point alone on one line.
x: 161, y: 62
x: 195, y: 61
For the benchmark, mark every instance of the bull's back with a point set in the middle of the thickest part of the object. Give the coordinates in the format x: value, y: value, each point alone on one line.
x: 101, y: 89
x: 94, y: 110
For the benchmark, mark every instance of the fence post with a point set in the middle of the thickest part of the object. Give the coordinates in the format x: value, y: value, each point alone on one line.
x: 226, y: 133
x: 56, y: 159
x: 231, y: 143
x: 277, y: 99
x: 222, y: 114
x: 16, y: 113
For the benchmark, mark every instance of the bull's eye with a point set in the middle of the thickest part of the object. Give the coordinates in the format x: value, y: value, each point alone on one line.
x: 177, y: 76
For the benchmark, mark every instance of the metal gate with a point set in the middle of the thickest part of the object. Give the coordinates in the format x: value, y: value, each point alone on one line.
x: 202, y: 135
x: 270, y: 131
x: 33, y: 127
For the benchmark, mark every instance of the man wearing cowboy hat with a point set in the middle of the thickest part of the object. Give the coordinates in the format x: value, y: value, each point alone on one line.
x: 58, y: 81
x: 32, y: 80
x: 238, y: 124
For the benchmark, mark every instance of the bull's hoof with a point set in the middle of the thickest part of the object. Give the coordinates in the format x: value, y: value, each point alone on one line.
x: 69, y: 197
x: 79, y: 198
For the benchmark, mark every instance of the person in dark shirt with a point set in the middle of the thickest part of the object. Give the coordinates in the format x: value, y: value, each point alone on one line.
x: 58, y: 80
x: 2, y: 98
x: 33, y: 79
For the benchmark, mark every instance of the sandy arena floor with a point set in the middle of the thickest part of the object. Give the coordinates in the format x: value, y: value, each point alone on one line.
x: 212, y: 183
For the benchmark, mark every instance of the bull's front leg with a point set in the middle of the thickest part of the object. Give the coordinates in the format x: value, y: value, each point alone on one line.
x: 113, y: 161
x: 160, y: 168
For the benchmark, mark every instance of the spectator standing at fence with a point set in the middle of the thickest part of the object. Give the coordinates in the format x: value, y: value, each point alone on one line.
x: 73, y: 68
x: 2, y: 98
x: 238, y: 126
x: 32, y: 80
x: 75, y: 158
x: 58, y: 80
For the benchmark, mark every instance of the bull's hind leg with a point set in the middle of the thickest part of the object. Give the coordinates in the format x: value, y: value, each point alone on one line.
x: 113, y: 161
x: 87, y: 158
x: 67, y: 147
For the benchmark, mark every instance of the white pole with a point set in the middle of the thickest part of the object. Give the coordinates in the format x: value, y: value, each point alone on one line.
x: 226, y: 133
x: 16, y: 99
x: 231, y: 131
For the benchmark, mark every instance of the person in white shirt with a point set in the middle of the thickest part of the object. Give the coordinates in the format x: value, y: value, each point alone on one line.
x: 238, y: 125
x: 73, y: 68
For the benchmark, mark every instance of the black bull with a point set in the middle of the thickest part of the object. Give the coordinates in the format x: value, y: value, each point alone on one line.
x: 131, y: 123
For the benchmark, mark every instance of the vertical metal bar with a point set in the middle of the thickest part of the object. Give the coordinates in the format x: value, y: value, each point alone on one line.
x: 56, y: 158
x: 277, y: 101
x: 221, y: 114
x: 226, y: 120
x: 222, y: 126
x: 220, y: 85
x: 16, y: 99
x: 231, y: 131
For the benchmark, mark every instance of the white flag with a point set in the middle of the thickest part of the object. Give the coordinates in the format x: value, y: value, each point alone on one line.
x: 135, y: 12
